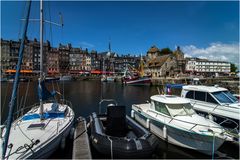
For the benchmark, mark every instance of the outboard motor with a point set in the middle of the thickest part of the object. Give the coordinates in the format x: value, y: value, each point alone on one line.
x: 116, y: 121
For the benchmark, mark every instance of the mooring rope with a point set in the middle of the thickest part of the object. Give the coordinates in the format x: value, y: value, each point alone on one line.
x: 213, y: 146
x: 111, y: 147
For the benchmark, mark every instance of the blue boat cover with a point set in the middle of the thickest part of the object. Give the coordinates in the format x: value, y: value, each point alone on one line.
x: 175, y: 86
x: 53, y: 113
x: 45, y: 116
x: 43, y: 92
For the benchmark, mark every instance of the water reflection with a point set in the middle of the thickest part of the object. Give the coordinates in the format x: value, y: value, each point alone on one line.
x: 85, y: 97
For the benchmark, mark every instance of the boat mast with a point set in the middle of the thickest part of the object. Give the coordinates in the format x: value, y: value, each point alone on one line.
x: 41, y: 56
x: 15, y: 85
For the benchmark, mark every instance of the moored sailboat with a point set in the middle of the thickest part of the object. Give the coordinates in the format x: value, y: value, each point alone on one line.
x: 38, y: 132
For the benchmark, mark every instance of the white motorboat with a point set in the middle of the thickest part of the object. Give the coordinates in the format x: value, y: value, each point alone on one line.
x: 214, y: 102
x: 173, y: 119
x: 37, y: 130
x: 65, y: 78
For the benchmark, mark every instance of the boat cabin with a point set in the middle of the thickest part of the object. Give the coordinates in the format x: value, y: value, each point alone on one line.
x: 209, y: 94
x: 171, y: 106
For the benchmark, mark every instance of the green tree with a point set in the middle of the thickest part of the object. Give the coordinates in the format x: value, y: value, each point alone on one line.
x: 233, y: 68
x: 165, y: 51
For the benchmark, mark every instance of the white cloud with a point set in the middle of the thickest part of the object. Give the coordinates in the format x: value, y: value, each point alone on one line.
x: 215, y: 51
x: 86, y: 45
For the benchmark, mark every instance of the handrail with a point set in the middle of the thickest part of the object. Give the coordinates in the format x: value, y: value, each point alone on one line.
x: 232, y: 129
x: 106, y: 100
x: 184, y: 121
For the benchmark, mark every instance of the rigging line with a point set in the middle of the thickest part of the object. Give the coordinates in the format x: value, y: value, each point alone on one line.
x: 21, y: 15
x: 50, y: 19
x: 23, y: 133
x: 18, y: 110
x: 5, y: 98
x: 54, y: 90
x: 26, y: 94
x: 18, y: 91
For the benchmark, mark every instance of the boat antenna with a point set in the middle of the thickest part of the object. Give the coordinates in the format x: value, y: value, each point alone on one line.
x: 16, y: 82
x: 158, y: 90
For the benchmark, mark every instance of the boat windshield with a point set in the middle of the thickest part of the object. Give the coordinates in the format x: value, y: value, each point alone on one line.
x: 224, y: 97
x: 180, y: 109
x: 231, y: 96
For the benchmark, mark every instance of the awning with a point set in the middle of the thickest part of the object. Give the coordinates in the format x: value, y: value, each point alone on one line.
x: 96, y: 72
x: 21, y: 71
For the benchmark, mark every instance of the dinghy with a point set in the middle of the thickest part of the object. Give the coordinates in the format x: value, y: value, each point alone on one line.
x: 117, y: 135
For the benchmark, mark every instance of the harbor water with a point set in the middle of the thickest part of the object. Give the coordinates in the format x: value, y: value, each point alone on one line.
x: 85, y: 97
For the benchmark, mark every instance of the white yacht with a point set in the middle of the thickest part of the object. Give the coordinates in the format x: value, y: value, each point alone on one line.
x: 214, y: 102
x: 65, y: 78
x: 173, y: 119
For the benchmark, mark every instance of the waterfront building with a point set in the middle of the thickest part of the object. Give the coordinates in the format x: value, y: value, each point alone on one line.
x: 14, y: 48
x: 162, y: 66
x: 5, y: 55
x: 53, y: 62
x: 95, y: 60
x: 153, y: 53
x: 88, y: 63
x: 164, y: 63
x: 27, y: 62
x: 121, y: 62
x: 206, y: 67
x: 181, y: 62
x: 64, y: 51
x: 75, y: 60
x: 35, y: 51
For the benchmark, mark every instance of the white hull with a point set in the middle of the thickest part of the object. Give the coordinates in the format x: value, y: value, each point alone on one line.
x: 222, y: 111
x: 65, y: 78
x: 187, y: 139
x: 49, y: 137
x: 144, y: 80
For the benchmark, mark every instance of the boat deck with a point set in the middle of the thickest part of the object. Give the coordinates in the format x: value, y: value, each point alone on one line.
x: 143, y: 107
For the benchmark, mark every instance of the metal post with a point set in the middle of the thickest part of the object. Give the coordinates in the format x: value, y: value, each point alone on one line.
x: 15, y: 85
x: 41, y: 56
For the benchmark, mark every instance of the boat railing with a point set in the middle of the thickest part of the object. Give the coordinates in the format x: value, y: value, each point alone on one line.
x: 215, y: 106
x: 190, y: 129
x: 106, y: 100
x: 226, y: 119
x: 230, y: 130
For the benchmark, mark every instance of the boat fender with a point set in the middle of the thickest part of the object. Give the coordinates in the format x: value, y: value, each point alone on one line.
x: 71, y: 135
x: 138, y: 144
x: 147, y: 123
x: 132, y: 114
x: 1, y: 143
x: 63, y: 143
x: 95, y: 140
x: 164, y: 132
x: 210, y: 117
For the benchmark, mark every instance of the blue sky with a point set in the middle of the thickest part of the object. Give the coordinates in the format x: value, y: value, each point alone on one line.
x: 134, y: 27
